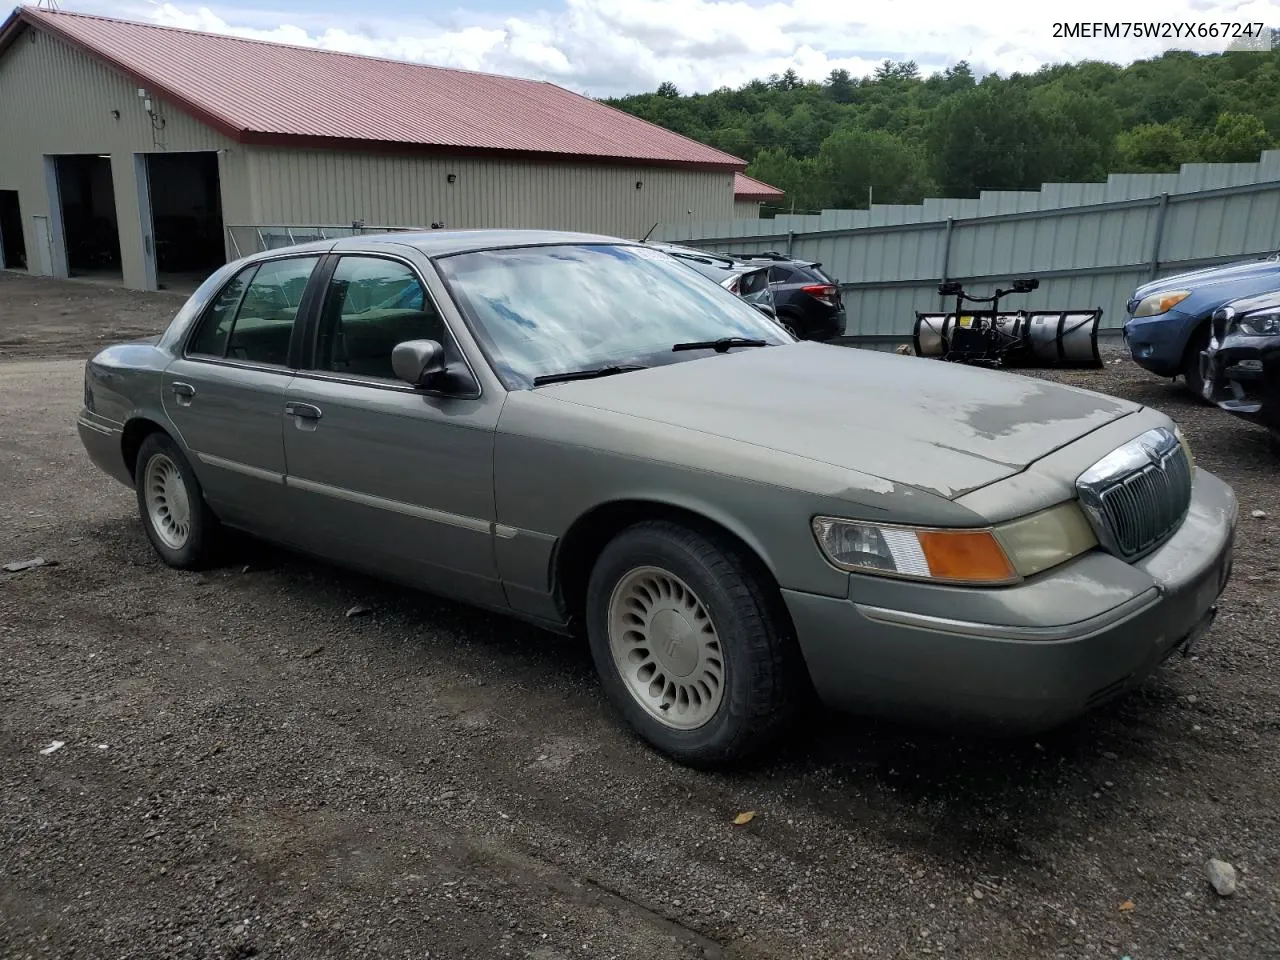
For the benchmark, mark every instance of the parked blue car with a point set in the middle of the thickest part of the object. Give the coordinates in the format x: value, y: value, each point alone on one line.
x: 1168, y: 319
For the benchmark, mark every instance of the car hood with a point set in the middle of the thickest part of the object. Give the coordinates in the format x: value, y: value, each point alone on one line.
x: 940, y: 427
x: 1237, y: 273
x: 1262, y: 301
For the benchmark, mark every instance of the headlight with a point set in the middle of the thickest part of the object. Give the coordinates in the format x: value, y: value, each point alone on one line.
x: 1259, y: 325
x: 992, y: 556
x: 1158, y: 303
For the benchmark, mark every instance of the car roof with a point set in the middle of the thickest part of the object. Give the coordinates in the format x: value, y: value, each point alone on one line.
x: 443, y: 243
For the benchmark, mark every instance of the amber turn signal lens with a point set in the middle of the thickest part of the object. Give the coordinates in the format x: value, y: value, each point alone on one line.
x: 971, y: 556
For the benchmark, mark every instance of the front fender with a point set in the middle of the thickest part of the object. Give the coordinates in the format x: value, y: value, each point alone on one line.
x: 555, y: 463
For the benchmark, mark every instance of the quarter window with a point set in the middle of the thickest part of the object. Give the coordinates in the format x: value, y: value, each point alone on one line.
x: 371, y: 305
x: 252, y: 318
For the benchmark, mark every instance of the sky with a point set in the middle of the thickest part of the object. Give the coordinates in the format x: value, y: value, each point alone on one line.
x: 612, y: 47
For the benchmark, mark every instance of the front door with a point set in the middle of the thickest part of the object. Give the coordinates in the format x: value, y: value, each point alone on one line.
x: 382, y: 475
x: 225, y: 393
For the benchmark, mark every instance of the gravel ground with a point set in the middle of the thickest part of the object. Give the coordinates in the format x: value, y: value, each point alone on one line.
x: 249, y: 770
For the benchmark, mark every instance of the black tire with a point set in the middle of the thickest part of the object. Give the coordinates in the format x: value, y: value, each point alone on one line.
x: 1191, y: 362
x: 792, y: 325
x: 200, y: 545
x: 764, y: 679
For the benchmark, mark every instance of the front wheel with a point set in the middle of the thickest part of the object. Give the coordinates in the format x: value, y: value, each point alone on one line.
x: 691, y: 644
x: 180, y: 526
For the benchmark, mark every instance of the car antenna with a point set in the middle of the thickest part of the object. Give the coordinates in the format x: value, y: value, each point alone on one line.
x: 646, y: 236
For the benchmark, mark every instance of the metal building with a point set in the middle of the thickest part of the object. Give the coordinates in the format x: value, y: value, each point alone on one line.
x: 150, y: 155
x: 749, y: 194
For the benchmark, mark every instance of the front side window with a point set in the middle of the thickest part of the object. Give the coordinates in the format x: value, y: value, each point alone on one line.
x: 252, y: 318
x: 546, y: 310
x: 371, y: 305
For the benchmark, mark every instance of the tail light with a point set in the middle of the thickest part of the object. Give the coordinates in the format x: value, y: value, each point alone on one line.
x: 826, y: 292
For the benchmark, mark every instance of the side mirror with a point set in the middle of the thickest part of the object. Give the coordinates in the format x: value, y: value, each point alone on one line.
x: 767, y: 310
x: 418, y: 361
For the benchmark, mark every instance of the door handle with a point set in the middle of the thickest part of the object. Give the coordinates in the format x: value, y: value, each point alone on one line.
x: 304, y: 411
x: 183, y: 392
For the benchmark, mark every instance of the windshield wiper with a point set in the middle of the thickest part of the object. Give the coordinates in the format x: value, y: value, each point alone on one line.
x: 586, y: 374
x: 721, y: 345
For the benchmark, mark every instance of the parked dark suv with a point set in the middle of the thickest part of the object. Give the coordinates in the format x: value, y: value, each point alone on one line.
x: 807, y: 299
x: 750, y: 281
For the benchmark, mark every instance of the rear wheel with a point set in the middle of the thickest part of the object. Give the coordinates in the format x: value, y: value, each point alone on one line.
x: 691, y: 643
x: 1191, y: 362
x: 179, y: 524
x: 791, y: 325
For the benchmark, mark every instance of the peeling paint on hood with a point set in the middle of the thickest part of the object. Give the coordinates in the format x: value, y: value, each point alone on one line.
x: 941, y: 427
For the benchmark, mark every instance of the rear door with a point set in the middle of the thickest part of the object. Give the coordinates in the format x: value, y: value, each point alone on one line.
x: 225, y: 393
x: 383, y: 475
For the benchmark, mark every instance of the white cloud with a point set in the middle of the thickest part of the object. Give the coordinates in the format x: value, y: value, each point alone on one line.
x: 607, y: 47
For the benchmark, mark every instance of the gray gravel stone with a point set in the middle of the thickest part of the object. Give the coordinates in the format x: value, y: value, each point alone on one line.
x: 1221, y: 876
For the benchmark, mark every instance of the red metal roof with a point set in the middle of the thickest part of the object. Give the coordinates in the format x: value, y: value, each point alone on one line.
x: 257, y: 92
x: 748, y: 188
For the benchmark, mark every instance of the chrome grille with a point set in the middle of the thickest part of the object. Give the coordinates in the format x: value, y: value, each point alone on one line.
x: 1138, y: 494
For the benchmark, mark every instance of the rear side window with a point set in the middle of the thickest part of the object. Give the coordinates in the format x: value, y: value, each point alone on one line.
x: 753, y: 282
x: 779, y: 274
x: 211, y: 339
x: 252, y: 318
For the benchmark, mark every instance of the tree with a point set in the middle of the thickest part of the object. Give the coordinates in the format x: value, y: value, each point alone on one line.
x: 1081, y: 130
x: 1153, y: 148
x: 1062, y: 122
x: 1235, y: 138
x: 958, y: 78
x: 990, y: 138
x: 792, y: 175
x: 853, y: 160
x: 788, y: 81
x: 840, y: 86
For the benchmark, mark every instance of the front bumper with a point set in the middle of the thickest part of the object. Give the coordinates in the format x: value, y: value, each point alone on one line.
x: 1017, y: 676
x: 1242, y: 376
x: 1158, y: 343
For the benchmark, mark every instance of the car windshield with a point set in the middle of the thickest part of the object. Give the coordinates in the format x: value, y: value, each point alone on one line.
x: 541, y: 311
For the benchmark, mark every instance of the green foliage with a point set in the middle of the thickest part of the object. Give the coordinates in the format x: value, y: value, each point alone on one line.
x: 1235, y: 138
x: 1152, y: 148
x: 950, y: 133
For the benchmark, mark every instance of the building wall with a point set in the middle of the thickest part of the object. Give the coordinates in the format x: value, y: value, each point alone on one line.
x: 292, y: 186
x: 54, y: 99
x: 746, y: 209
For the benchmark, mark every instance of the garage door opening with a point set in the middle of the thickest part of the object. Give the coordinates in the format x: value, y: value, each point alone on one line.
x: 13, y: 248
x: 186, y: 217
x: 89, y: 222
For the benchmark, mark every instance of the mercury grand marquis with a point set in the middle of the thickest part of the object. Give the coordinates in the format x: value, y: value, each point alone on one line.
x: 582, y: 432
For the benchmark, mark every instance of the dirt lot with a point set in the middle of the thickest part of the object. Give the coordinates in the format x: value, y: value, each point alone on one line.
x: 249, y: 770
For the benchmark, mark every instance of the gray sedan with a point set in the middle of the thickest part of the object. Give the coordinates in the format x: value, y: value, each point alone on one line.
x: 582, y: 432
